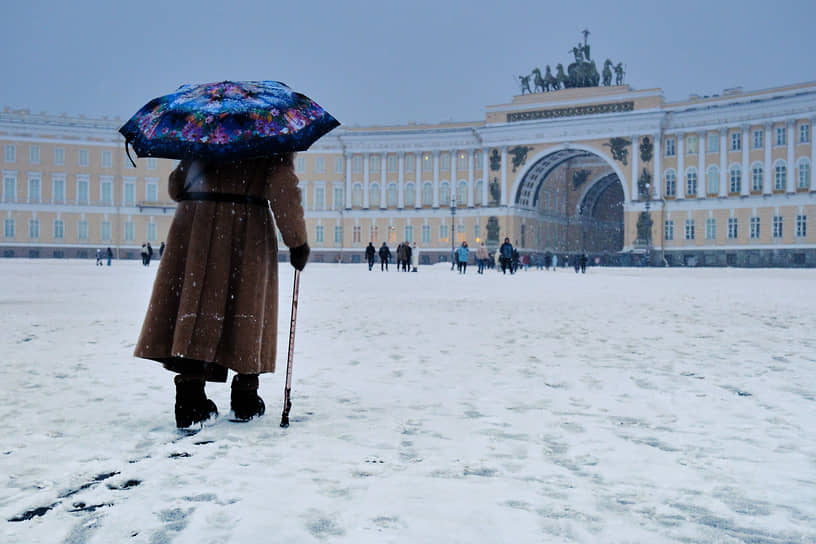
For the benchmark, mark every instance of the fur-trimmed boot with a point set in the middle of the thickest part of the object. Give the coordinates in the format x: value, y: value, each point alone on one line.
x: 244, y: 399
x: 192, y: 405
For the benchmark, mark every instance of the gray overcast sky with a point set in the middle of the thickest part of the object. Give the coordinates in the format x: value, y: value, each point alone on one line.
x: 388, y: 62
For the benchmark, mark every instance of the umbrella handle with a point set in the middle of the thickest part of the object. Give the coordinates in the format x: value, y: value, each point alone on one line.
x: 287, y: 401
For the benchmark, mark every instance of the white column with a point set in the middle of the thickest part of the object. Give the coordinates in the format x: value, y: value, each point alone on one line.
x: 436, y: 179
x: 657, y: 181
x: 453, y: 177
x: 383, y: 182
x: 486, y: 176
x: 681, y: 165
x: 767, y: 187
x: 366, y: 159
x: 504, y: 196
x: 418, y: 186
x: 745, y: 184
x: 812, y: 155
x: 470, y: 178
x: 635, y: 157
x: 790, y: 186
x: 725, y: 176
x: 348, y: 181
x: 702, y: 175
x: 401, y: 180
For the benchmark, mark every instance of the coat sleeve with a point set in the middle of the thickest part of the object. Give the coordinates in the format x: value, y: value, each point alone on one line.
x: 284, y: 197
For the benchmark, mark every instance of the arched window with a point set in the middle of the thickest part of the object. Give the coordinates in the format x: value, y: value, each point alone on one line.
x: 756, y: 177
x: 444, y: 194
x: 691, y: 181
x: 392, y: 195
x: 427, y: 194
x: 780, y: 175
x: 803, y: 177
x: 410, y: 195
x: 713, y: 180
x: 671, y: 182
x: 735, y: 179
x: 374, y: 195
x: 461, y: 193
x: 357, y: 195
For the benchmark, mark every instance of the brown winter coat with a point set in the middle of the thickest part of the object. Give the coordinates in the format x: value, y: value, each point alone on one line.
x: 215, y: 298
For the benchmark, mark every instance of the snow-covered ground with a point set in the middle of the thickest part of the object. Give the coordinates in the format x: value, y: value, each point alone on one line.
x: 626, y: 405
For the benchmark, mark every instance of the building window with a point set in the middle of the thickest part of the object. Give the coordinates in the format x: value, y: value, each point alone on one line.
x: 777, y: 226
x: 780, y: 175
x: 712, y: 142
x: 477, y: 232
x: 338, y: 234
x: 152, y: 164
x: 34, y: 229
x: 392, y: 234
x: 444, y: 162
x: 410, y: 163
x: 670, y: 150
x: 357, y: 195
x: 58, y: 190
x: 689, y: 229
x: 393, y: 165
x: 756, y: 142
x: 713, y: 180
x: 374, y: 233
x: 391, y: 199
x: 130, y: 194
x: 426, y: 234
x: 711, y: 229
x: 374, y: 195
x: 409, y: 233
x: 152, y: 192
x: 106, y: 192
x: 356, y: 234
x: 8, y: 228
x: 320, y: 198
x: 10, y: 154
x: 443, y: 233
x: 477, y: 159
x: 735, y: 179
x: 668, y: 230
x: 34, y: 154
x: 59, y: 156
x: 130, y: 232
x: 107, y: 159
x: 732, y: 228
x: 756, y: 177
x: 461, y: 193
x: 374, y: 163
x: 303, y: 195
x: 460, y: 233
x: 300, y: 164
x: 82, y: 191
x: 357, y: 164
x: 337, y: 197
x: 478, y: 190
x: 691, y: 182
x: 151, y: 232
x: 9, y: 188
x: 804, y: 133
x: 82, y: 230
x: 319, y: 234
x: 781, y: 138
x: 34, y: 191
x: 83, y: 157
x: 691, y: 145
x: 427, y: 163
x: 801, y: 226
x: 444, y: 194
x: 804, y: 173
x: 106, y: 231
x: 736, y: 141
x: 320, y: 165
x: 427, y: 195
x: 339, y: 167
x: 754, y: 234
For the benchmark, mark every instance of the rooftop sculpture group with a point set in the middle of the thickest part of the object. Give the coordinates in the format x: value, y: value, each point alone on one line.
x: 581, y: 73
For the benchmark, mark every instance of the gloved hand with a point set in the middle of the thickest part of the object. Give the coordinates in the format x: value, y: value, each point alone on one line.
x: 298, y: 256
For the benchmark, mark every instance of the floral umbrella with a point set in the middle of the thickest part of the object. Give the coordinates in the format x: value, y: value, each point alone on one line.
x: 229, y: 120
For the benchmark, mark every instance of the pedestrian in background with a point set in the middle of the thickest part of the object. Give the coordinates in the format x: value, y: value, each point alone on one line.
x: 370, y: 253
x: 462, y: 254
x: 481, y: 258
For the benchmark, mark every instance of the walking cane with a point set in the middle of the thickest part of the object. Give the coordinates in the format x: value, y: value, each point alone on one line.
x: 287, y: 401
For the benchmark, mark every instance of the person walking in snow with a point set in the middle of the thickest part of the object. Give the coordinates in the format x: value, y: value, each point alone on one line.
x: 161, y: 250
x: 462, y: 254
x: 506, y: 256
x: 149, y: 254
x: 98, y: 257
x: 214, y: 304
x: 109, y: 255
x: 481, y: 258
x: 385, y: 256
x: 143, y: 253
x: 415, y: 256
x: 370, y: 252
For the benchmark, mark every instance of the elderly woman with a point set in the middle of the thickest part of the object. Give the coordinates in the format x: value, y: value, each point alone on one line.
x: 214, y: 305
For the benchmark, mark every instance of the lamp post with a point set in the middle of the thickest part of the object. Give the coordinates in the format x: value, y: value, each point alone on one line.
x: 649, y: 233
x: 453, y: 228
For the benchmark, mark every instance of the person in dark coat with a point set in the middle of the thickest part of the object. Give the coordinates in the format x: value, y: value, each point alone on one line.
x: 98, y: 257
x: 149, y: 254
x: 506, y: 256
x: 515, y: 259
x: 409, y: 253
x: 109, y: 255
x: 584, y: 260
x: 402, y: 256
x: 143, y: 253
x: 161, y: 250
x: 214, y: 305
x: 385, y: 256
x: 370, y: 253
x: 576, y: 263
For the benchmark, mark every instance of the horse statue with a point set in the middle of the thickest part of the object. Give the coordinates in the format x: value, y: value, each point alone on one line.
x: 561, y: 80
x: 594, y: 76
x: 539, y: 82
x: 607, y: 73
x: 619, y: 74
x: 525, y: 84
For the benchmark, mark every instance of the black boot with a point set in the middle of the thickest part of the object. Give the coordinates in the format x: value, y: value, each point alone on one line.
x: 192, y: 405
x: 244, y: 399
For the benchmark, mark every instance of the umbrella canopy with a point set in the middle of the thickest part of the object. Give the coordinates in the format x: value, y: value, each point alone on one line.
x: 228, y: 120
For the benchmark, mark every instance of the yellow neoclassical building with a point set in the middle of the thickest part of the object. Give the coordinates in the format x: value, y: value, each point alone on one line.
x: 618, y: 173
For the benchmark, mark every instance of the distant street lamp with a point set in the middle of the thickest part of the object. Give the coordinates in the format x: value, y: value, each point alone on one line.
x: 649, y: 233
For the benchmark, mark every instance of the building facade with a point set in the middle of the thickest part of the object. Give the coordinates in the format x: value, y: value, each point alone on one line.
x: 614, y: 172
